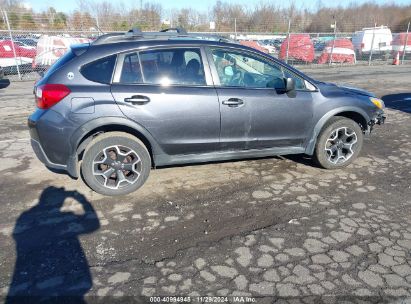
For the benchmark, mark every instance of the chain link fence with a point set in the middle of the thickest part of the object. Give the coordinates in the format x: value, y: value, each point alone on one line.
x: 25, y: 54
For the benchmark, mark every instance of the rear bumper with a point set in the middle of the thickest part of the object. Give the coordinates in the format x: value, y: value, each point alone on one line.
x: 69, y: 168
x: 42, y: 156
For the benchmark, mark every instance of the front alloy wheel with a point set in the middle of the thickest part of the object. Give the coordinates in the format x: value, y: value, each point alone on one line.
x: 340, y: 146
x: 339, y: 143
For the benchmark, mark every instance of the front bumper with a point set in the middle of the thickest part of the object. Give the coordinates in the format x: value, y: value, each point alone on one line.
x: 379, y: 119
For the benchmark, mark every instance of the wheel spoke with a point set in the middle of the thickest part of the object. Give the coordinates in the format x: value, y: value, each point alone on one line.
x: 104, y: 160
x: 121, y: 157
x: 339, y: 147
x: 120, y: 177
x: 128, y: 167
x: 334, y: 135
x: 109, y: 172
x: 348, y: 146
x: 339, y: 154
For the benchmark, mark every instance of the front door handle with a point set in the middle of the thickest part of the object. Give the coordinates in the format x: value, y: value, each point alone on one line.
x: 137, y: 99
x: 233, y: 102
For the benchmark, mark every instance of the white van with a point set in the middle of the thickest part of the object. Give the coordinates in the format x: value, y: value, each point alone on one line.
x: 363, y: 39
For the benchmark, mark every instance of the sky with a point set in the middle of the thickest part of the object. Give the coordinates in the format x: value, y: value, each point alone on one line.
x: 203, y: 5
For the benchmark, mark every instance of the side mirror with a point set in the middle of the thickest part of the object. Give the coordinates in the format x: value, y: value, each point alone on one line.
x: 289, y: 84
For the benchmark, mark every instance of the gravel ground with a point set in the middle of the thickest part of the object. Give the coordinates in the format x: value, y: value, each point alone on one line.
x: 275, y: 229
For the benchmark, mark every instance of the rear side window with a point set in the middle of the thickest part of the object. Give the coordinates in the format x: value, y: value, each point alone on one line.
x: 100, y: 70
x: 131, y: 72
x: 173, y: 66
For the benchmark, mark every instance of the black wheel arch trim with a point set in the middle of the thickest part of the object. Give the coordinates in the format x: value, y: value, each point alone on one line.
x: 77, y: 137
x: 312, y: 140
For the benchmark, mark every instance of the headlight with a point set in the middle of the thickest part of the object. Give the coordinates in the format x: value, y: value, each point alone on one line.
x: 377, y: 102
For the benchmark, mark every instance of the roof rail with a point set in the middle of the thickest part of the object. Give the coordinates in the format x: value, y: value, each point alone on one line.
x: 178, y: 30
x: 136, y: 34
x: 106, y: 37
x: 135, y: 31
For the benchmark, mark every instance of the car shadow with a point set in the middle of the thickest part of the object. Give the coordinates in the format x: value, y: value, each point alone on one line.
x: 302, y: 159
x: 51, y: 265
x: 211, y: 162
x: 401, y: 101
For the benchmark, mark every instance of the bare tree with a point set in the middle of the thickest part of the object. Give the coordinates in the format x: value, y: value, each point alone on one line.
x: 266, y: 16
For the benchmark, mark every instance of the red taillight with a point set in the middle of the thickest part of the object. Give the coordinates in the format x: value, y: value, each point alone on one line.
x: 362, y: 45
x: 48, y: 95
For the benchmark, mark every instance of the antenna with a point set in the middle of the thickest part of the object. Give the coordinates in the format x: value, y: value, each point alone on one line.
x: 97, y: 27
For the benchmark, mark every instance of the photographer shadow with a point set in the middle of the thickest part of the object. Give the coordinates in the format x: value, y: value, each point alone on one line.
x: 51, y: 264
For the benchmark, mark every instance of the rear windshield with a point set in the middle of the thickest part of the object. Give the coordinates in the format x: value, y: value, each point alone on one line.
x: 60, y: 62
x: 100, y: 70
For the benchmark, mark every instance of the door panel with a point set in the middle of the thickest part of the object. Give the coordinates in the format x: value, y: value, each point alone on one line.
x: 166, y: 91
x: 183, y: 120
x: 265, y: 120
x: 267, y: 116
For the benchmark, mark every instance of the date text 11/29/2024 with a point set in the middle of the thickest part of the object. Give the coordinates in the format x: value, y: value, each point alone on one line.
x: 205, y: 299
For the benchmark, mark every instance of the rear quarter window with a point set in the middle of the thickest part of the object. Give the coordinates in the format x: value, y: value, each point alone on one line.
x: 100, y: 70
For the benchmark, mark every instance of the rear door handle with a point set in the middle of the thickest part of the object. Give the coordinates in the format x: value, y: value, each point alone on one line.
x: 233, y: 102
x: 137, y: 99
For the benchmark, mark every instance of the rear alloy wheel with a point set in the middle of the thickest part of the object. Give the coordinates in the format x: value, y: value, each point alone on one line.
x: 339, y: 143
x: 116, y: 163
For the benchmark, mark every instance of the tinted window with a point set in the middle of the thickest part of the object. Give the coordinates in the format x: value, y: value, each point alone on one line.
x: 173, y: 66
x: 131, y: 72
x: 100, y: 70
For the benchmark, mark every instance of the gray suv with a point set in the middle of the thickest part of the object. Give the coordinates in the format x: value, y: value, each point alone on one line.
x: 111, y: 110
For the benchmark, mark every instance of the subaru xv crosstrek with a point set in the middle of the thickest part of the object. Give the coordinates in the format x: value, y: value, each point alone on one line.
x: 111, y: 110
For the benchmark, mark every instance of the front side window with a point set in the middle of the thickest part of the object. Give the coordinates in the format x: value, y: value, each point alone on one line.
x: 100, y: 70
x: 237, y: 69
x: 172, y: 66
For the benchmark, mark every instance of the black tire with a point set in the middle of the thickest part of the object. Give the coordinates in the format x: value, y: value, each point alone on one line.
x: 326, y: 154
x: 117, y: 149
